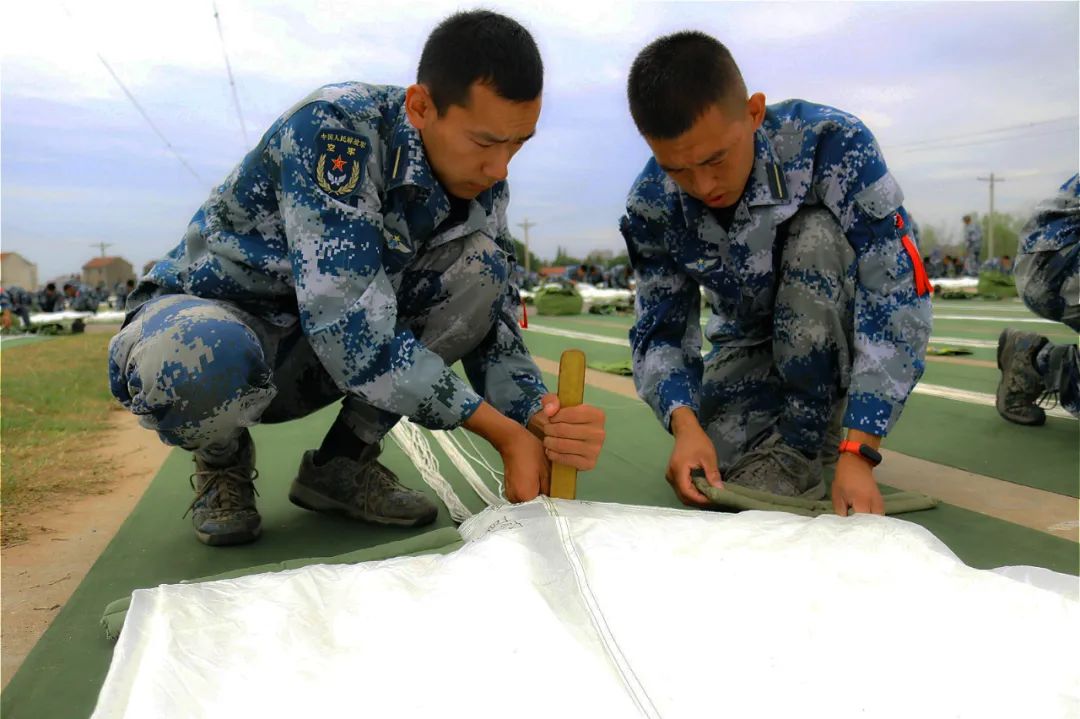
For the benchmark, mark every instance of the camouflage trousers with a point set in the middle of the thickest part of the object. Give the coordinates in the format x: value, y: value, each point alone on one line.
x: 794, y: 383
x: 199, y: 370
x: 1049, y: 283
x: 971, y: 259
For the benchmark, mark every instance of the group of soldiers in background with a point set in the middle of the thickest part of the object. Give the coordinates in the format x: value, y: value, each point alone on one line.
x: 72, y: 296
x: 617, y: 277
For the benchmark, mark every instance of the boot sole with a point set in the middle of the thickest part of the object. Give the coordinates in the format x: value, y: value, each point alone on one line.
x: 224, y: 540
x: 309, y: 499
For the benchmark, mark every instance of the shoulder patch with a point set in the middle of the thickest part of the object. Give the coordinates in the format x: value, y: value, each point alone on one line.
x: 341, y: 158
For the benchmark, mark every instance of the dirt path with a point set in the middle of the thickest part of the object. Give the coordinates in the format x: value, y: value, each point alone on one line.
x: 39, y: 575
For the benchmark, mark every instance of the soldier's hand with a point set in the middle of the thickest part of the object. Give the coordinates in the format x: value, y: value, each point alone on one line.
x: 854, y: 487
x: 693, y: 450
x: 526, y: 471
x: 572, y: 436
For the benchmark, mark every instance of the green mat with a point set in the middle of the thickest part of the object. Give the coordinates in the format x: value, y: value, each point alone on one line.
x: 976, y: 439
x: 63, y: 673
x: 949, y: 432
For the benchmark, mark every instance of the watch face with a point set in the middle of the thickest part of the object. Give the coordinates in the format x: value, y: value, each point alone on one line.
x: 870, y: 453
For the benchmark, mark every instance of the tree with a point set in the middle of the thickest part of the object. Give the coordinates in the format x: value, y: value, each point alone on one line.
x: 938, y: 237
x: 562, y: 258
x: 1006, y: 234
x: 519, y: 250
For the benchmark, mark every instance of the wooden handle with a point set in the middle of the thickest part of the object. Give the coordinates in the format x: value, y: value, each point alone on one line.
x: 571, y: 394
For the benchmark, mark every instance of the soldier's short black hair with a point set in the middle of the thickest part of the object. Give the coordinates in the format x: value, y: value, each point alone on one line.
x: 484, y: 46
x: 676, y: 78
x: 51, y: 286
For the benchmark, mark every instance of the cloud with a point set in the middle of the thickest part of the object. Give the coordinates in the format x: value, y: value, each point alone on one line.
x: 80, y: 165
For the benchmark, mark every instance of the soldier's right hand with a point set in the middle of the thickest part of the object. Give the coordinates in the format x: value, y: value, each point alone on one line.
x: 693, y: 450
x: 526, y: 470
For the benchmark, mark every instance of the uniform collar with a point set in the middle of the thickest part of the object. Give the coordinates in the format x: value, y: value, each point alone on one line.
x: 767, y: 185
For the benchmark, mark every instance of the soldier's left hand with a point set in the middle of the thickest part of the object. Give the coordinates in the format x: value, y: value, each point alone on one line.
x: 572, y: 436
x: 854, y: 487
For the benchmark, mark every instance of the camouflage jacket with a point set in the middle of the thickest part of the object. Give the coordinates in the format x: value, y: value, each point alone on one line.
x: 318, y: 223
x: 1056, y: 224
x: 805, y: 155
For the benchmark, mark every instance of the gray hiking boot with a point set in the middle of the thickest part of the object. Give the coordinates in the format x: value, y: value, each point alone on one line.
x: 223, y: 511
x: 362, y: 489
x: 1020, y: 385
x: 779, y: 469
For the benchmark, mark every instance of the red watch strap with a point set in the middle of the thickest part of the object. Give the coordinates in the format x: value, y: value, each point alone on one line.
x: 849, y: 446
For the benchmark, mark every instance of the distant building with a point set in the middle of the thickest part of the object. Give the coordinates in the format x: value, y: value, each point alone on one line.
x: 17, y: 271
x: 108, y: 271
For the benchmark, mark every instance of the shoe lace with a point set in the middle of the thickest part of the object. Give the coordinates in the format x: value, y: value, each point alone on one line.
x: 228, y: 482
x: 1048, y: 399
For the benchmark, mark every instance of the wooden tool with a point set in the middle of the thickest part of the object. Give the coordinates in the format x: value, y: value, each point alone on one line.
x: 571, y: 394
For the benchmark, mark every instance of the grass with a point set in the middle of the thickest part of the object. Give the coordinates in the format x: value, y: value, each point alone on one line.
x: 54, y: 403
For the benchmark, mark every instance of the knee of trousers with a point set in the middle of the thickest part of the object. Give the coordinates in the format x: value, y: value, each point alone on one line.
x: 184, y: 362
x: 815, y: 296
x: 815, y: 245
x: 471, y: 300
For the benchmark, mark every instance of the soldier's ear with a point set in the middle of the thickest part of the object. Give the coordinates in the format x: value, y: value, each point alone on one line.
x: 755, y: 107
x: 419, y: 106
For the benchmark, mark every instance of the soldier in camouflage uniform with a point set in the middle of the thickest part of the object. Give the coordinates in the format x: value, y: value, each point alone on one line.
x: 1048, y: 278
x: 357, y: 252
x: 972, y: 246
x: 789, y: 221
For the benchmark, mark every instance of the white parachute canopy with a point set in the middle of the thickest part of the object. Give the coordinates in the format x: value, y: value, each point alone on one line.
x: 572, y: 609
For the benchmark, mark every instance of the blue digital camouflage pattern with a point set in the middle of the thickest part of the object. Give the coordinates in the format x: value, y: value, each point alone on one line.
x: 321, y: 226
x: 1047, y: 267
x: 807, y: 156
x: 1048, y: 279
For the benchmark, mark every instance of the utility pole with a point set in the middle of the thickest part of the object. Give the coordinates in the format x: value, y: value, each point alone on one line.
x: 990, y: 223
x: 525, y: 226
x: 102, y: 245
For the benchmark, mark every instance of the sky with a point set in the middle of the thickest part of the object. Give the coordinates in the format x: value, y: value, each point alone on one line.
x: 953, y: 92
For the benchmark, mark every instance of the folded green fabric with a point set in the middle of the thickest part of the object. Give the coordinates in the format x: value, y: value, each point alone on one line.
x: 733, y: 498
x: 440, y: 541
x: 947, y: 351
x: 624, y: 368
x: 558, y: 300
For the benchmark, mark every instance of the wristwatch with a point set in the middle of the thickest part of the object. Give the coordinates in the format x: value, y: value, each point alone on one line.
x: 865, y: 451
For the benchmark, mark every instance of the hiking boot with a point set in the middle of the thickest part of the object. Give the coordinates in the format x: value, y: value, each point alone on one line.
x: 1020, y: 386
x: 779, y: 469
x: 223, y: 511
x: 359, y: 488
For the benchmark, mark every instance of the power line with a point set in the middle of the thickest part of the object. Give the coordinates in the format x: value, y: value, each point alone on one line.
x: 982, y: 132
x: 143, y: 112
x: 949, y: 146
x: 228, y: 70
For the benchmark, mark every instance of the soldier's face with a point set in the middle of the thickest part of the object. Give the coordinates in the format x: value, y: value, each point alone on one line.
x: 470, y: 147
x: 712, y: 160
